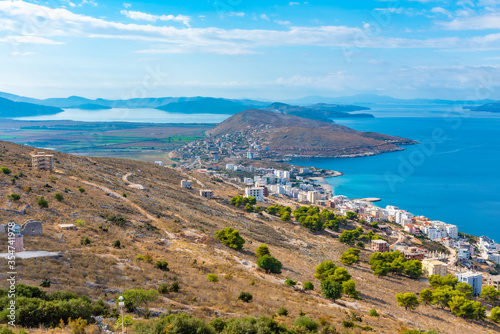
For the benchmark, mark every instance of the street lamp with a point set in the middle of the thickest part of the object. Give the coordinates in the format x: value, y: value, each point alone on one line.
x: 121, y: 305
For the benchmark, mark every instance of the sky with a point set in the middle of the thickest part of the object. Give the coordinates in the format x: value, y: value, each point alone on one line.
x: 250, y: 49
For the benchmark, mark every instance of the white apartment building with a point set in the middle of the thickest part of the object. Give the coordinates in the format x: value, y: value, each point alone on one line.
x: 313, y: 196
x: 473, y: 279
x: 257, y: 192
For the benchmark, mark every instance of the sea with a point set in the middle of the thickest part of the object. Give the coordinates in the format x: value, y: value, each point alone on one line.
x: 453, y: 175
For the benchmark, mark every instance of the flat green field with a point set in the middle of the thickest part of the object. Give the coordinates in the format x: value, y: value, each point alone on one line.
x: 140, y: 141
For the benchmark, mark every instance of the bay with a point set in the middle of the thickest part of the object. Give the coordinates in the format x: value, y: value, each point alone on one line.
x: 452, y: 175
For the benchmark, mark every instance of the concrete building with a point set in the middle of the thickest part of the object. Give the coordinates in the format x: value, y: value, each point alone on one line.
x: 159, y: 163
x: 452, y: 231
x: 494, y: 281
x: 380, y: 246
x: 188, y: 184
x: 42, y: 161
x: 413, y: 253
x: 206, y: 193
x: 313, y: 196
x: 473, y: 279
x: 464, y: 253
x: 434, y: 267
x: 257, y: 192
x: 249, y: 155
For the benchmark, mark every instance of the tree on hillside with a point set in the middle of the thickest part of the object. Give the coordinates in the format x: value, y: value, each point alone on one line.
x: 464, y: 288
x: 340, y: 275
x: 351, y: 215
x: 490, y: 293
x: 269, y: 264
x: 331, y: 289
x: 426, y: 296
x: 437, y: 281
x: 349, y: 288
x: 262, y: 250
x: 350, y: 256
x: 135, y: 297
x: 230, y: 237
x: 408, y: 300
x: 495, y: 314
x: 324, y: 269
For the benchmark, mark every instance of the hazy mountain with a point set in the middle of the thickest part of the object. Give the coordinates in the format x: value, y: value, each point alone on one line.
x: 491, y: 107
x: 91, y: 106
x: 323, y: 112
x: 206, y: 106
x: 9, y: 108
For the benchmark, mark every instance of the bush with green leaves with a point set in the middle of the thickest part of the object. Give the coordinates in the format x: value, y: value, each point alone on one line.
x: 162, y: 265
x: 490, y: 293
x: 314, y: 219
x: 395, y: 263
x: 282, y: 311
x: 290, y: 282
x: 306, y: 323
x: 135, y: 297
x: 331, y: 289
x: 59, y: 197
x: 242, y: 201
x: 230, y: 237
x: 85, y: 241
x: 269, y: 264
x: 349, y: 288
x: 467, y: 309
x: 81, y: 190
x: 308, y: 285
x: 408, y: 300
x: 117, y: 244
x: 350, y: 236
x: 14, y: 197
x: 262, y: 250
x: 42, y: 202
x: 213, y: 278
x: 350, y: 257
x: 495, y: 314
x: 5, y: 170
x: 245, y: 297
x: 373, y: 312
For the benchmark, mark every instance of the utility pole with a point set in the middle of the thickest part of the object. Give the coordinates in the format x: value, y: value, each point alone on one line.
x: 121, y: 304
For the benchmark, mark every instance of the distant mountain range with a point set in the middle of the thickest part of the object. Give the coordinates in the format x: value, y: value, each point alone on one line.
x: 290, y: 135
x: 373, y: 99
x: 10, y: 108
x: 491, y: 107
x: 192, y: 105
x: 321, y: 112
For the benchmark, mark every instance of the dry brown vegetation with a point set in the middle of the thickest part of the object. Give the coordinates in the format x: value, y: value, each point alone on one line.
x: 178, y: 226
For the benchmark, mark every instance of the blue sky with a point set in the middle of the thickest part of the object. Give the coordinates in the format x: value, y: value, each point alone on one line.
x: 250, y: 49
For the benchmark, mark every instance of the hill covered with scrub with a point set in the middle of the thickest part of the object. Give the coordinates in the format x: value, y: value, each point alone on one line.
x: 193, y: 264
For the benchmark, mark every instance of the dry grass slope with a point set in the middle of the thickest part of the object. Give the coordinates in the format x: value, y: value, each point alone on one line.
x: 177, y: 225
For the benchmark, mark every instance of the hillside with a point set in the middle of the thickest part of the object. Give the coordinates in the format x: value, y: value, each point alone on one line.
x: 13, y: 109
x: 490, y: 107
x: 320, y: 112
x: 167, y: 222
x: 297, y: 136
x: 92, y: 106
x: 205, y: 106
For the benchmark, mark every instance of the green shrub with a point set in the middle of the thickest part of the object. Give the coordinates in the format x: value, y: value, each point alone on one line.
x: 164, y: 289
x: 117, y: 244
x: 230, y: 237
x: 347, y: 324
x: 290, y: 282
x: 282, y: 311
x: 14, y: 197
x: 175, y: 287
x: 245, y: 297
x: 162, y: 265
x: 307, y: 323
x: 80, y: 189
x: 308, y: 285
x: 58, y: 196
x: 262, y: 250
x: 373, y: 312
x: 269, y: 264
x: 85, y: 241
x: 80, y: 223
x: 5, y: 170
x: 42, y: 202
x: 213, y: 278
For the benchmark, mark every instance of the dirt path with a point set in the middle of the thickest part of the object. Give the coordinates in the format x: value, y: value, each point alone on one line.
x: 130, y: 184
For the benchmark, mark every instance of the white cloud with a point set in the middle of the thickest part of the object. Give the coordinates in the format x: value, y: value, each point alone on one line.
x: 138, y: 16
x: 482, y: 22
x: 282, y: 22
x: 16, y: 16
x: 127, y: 5
x: 239, y: 14
x: 264, y: 17
x: 293, y: 3
x: 441, y: 10
x: 28, y: 40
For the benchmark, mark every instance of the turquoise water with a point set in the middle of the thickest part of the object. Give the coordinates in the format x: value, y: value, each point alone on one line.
x: 453, y: 175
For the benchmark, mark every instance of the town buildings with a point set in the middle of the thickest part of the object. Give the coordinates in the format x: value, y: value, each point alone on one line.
x: 380, y: 245
x: 206, y: 193
x: 42, y: 161
x: 434, y: 267
x: 257, y: 192
x: 473, y: 279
